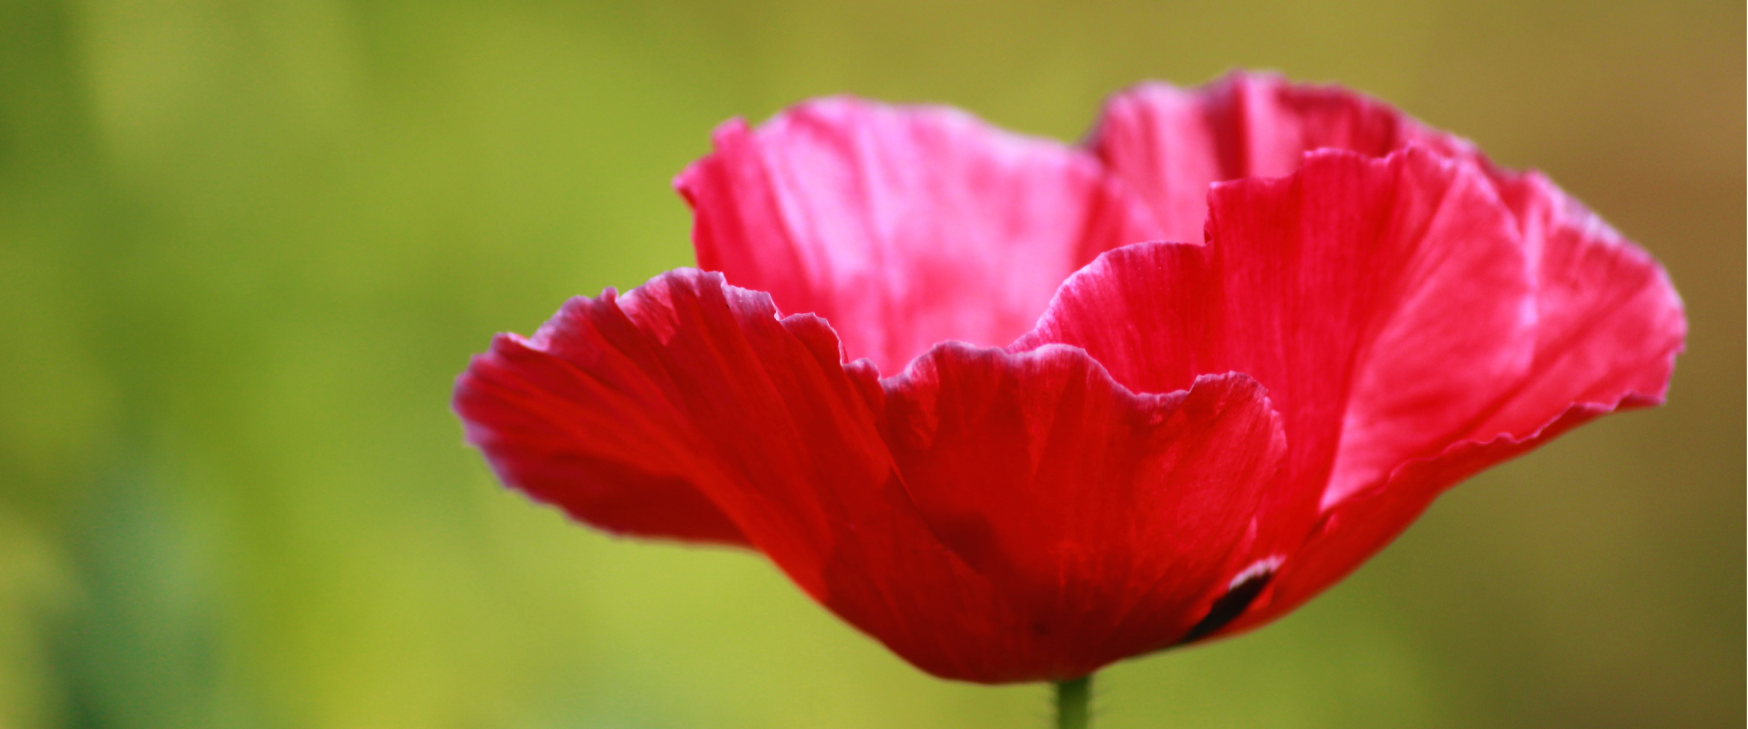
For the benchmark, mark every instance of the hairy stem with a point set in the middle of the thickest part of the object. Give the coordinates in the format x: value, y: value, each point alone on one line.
x: 1072, y: 698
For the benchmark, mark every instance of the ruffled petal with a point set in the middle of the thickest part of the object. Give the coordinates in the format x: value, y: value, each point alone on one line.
x: 598, y: 440
x: 1169, y: 144
x: 1397, y: 278
x: 687, y: 409
x: 988, y: 516
x: 673, y: 410
x: 1466, y: 369
x: 1607, y: 327
x: 1103, y: 520
x: 1301, y: 280
x: 1608, y: 321
x: 903, y: 226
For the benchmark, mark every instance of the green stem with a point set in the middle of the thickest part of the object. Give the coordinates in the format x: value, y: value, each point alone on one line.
x: 1072, y: 698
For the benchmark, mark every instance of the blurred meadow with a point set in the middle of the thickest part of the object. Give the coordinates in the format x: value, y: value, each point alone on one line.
x: 246, y: 245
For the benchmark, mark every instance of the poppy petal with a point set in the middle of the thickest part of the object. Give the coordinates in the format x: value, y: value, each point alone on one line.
x: 565, y: 438
x: 1300, y: 278
x: 1102, y: 519
x: 651, y: 413
x: 688, y: 392
x: 902, y: 226
x: 1607, y: 329
x: 687, y: 409
x: 1169, y: 144
x: 1609, y: 322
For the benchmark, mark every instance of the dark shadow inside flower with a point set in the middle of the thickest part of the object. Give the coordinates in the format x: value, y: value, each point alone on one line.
x: 1239, y: 595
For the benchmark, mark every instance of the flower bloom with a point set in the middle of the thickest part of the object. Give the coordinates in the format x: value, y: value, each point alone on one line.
x: 1019, y: 409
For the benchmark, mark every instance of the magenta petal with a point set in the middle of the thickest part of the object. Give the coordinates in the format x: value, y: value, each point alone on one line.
x: 1608, y: 320
x: 1103, y: 520
x: 989, y: 516
x: 568, y: 438
x: 1602, y: 322
x: 688, y: 397
x: 660, y: 412
x: 1607, y: 328
x: 1399, y: 280
x: 903, y: 226
x: 1169, y: 144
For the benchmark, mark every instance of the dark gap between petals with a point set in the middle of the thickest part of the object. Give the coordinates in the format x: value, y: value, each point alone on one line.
x: 1229, y: 606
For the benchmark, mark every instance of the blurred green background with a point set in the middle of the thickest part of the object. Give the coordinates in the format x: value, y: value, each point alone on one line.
x: 245, y: 246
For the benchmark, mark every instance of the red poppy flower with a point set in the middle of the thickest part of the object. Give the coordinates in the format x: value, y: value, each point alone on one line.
x: 934, y: 372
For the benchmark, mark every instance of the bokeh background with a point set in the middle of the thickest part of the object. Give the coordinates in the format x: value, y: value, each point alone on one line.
x: 245, y: 246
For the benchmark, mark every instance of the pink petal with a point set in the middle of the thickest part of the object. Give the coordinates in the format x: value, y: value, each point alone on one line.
x: 1608, y: 320
x: 1398, y: 278
x: 1608, y: 325
x: 567, y: 438
x: 686, y: 409
x: 1466, y: 369
x: 903, y: 226
x: 688, y: 397
x: 1102, y: 520
x: 1169, y: 144
x: 656, y: 413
